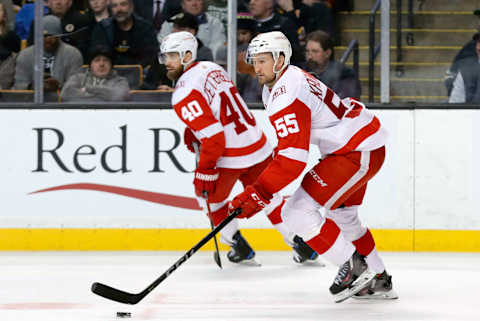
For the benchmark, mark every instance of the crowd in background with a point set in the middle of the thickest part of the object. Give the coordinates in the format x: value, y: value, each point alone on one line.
x: 101, y: 49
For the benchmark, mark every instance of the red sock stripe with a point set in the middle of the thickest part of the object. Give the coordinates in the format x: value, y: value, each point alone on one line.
x: 219, y: 215
x: 328, y: 235
x: 276, y: 215
x: 365, y: 244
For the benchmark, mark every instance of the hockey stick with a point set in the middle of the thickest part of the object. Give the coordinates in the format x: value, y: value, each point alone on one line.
x: 133, y: 298
x: 216, y: 254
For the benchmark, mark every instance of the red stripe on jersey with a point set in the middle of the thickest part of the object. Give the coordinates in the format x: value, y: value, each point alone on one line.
x: 365, y: 132
x: 194, y: 111
x: 279, y: 173
x: 242, y: 151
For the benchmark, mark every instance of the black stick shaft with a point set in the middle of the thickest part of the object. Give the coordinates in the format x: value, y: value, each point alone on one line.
x: 216, y: 254
x: 133, y: 298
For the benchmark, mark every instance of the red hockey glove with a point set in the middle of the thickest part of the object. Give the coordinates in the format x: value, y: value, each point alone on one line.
x: 189, y: 139
x: 205, y: 181
x: 252, y: 200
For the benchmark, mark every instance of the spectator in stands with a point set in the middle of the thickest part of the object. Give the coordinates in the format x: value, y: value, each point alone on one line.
x: 310, y: 15
x: 466, y: 84
x: 210, y: 30
x: 75, y: 25
x: 9, y: 47
x: 10, y: 13
x: 267, y: 19
x: 320, y: 63
x: 245, y: 28
x: 99, y: 82
x: 247, y: 83
x: 157, y: 11
x: 131, y: 38
x: 98, y: 10
x: 187, y: 22
x: 80, y: 5
x: 24, y: 19
x: 60, y: 60
x: 466, y: 54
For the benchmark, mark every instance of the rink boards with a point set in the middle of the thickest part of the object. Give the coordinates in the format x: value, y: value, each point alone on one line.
x: 121, y: 179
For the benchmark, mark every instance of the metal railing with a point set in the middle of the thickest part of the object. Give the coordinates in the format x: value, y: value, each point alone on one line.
x: 375, y: 49
x: 352, y: 47
x: 372, y: 50
x: 409, y: 39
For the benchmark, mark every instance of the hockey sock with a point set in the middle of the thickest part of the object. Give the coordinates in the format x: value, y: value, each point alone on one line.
x: 331, y: 244
x: 375, y: 262
x: 275, y: 218
x: 365, y: 245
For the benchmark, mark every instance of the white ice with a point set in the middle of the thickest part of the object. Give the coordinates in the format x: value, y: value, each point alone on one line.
x: 47, y: 286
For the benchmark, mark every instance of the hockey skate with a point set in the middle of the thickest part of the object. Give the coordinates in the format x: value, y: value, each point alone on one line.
x: 352, y: 277
x: 380, y: 288
x: 241, y: 251
x: 302, y: 252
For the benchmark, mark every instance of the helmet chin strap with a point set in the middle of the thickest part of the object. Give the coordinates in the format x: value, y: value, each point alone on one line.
x: 185, y: 64
x: 278, y: 72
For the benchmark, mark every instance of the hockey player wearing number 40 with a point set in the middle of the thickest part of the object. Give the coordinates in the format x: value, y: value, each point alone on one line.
x: 351, y: 140
x: 232, y: 146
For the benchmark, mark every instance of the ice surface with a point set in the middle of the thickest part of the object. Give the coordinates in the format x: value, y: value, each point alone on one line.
x: 51, y: 286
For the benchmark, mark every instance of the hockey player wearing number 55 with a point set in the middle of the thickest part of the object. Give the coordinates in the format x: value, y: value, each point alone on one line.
x: 232, y: 146
x: 351, y: 140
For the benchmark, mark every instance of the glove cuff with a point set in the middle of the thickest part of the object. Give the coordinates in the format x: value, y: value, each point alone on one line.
x: 208, y: 175
x: 262, y: 192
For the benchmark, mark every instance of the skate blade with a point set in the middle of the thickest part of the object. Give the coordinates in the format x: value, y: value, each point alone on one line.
x: 390, y: 295
x: 250, y: 262
x: 316, y: 263
x: 359, y: 284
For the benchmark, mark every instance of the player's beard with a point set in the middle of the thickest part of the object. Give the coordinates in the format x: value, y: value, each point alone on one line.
x: 173, y: 75
x: 266, y: 80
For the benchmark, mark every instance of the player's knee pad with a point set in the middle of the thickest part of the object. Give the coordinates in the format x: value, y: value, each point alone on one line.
x: 300, y: 214
x: 348, y: 222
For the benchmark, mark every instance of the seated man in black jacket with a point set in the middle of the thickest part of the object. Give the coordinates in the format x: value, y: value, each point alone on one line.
x: 75, y: 25
x: 320, y: 63
x: 131, y: 38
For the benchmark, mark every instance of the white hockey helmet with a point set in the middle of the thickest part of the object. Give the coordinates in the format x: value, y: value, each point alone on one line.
x: 180, y: 42
x: 274, y: 42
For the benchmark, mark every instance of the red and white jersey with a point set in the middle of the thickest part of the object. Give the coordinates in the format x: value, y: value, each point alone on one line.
x: 304, y: 110
x: 208, y: 102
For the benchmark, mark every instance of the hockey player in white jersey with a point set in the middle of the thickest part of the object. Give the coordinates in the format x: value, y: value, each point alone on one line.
x: 351, y: 140
x: 233, y: 147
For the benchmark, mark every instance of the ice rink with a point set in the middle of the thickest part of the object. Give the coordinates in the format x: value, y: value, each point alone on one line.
x: 48, y: 286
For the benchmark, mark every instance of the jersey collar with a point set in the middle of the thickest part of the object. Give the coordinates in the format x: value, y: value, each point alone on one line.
x: 191, y: 66
x: 281, y: 74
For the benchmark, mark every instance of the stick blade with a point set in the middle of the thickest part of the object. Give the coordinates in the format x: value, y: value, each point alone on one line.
x: 216, y: 257
x: 115, y: 295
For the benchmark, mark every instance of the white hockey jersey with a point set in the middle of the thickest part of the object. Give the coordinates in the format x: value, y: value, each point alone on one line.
x: 208, y: 102
x: 304, y: 110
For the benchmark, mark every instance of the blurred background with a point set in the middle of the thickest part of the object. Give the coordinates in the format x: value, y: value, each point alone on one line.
x: 432, y: 56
